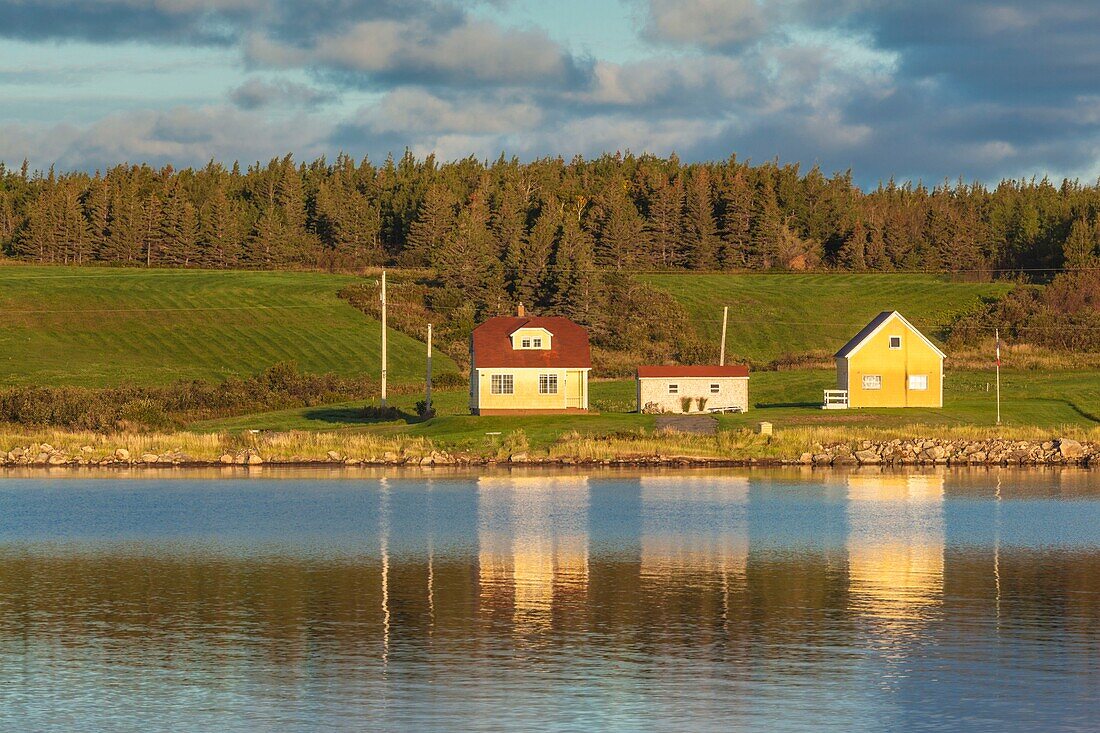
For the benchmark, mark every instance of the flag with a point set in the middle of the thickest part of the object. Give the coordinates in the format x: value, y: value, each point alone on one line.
x: 998, y: 349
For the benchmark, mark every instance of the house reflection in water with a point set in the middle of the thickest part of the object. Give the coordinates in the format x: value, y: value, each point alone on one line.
x: 895, y: 548
x: 533, y: 547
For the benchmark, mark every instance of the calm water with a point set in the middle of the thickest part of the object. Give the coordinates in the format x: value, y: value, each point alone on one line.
x: 682, y: 602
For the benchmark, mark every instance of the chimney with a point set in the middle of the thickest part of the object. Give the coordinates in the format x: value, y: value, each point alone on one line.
x: 521, y: 312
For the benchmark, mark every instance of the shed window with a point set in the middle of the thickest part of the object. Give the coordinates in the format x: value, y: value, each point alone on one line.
x: 895, y: 342
x: 548, y: 384
x: 674, y: 389
x: 715, y: 388
x: 918, y: 381
x: 872, y: 381
x: 502, y: 384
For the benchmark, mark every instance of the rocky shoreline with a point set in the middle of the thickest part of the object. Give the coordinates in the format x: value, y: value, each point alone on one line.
x: 913, y: 452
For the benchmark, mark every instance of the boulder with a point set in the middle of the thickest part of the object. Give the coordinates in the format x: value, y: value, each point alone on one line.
x: 254, y: 459
x: 149, y: 458
x: 518, y: 458
x: 806, y: 459
x: 334, y: 456
x: 226, y: 458
x: 122, y: 454
x: 57, y: 459
x: 867, y: 456
x: 1070, y: 449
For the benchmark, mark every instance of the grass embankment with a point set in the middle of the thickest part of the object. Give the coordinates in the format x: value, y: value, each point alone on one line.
x: 775, y: 315
x: 97, y: 327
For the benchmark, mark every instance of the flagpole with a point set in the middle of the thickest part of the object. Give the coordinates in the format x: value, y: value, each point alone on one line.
x: 997, y: 336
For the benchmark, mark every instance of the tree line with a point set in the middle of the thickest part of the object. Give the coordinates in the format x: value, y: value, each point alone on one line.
x: 540, y: 232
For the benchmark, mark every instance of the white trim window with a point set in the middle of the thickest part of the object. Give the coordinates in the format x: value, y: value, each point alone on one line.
x: 715, y: 388
x: 895, y: 343
x: 918, y: 382
x: 548, y: 384
x: 502, y: 384
x: 536, y: 343
x: 872, y: 381
x: 674, y: 388
x: 525, y: 343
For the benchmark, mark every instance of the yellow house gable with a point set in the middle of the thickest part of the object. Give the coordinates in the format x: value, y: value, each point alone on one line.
x: 532, y: 338
x: 891, y: 364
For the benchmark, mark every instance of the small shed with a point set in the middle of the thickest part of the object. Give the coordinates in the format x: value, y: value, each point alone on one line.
x: 699, y: 388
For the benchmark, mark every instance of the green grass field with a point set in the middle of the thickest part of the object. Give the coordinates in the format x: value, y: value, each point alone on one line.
x: 786, y: 399
x: 99, y: 326
x: 773, y: 315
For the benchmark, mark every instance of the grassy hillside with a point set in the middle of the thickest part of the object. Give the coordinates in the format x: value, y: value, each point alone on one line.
x: 773, y: 315
x: 97, y: 326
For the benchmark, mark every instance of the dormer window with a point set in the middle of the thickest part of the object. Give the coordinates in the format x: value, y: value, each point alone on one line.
x: 525, y: 344
x: 536, y: 343
x: 531, y: 338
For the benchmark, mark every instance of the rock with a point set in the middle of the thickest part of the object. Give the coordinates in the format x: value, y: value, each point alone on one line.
x: 226, y: 458
x: 845, y: 459
x: 86, y: 449
x: 122, y: 454
x: 822, y: 459
x: 149, y: 458
x: 390, y: 457
x: 806, y: 459
x: 518, y: 458
x: 57, y: 459
x: 45, y: 448
x: 867, y: 456
x: 334, y: 456
x: 254, y: 460
x: 1070, y: 449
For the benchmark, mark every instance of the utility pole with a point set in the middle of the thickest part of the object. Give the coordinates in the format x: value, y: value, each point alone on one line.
x: 383, y: 339
x: 722, y: 354
x: 428, y: 397
x: 997, y: 337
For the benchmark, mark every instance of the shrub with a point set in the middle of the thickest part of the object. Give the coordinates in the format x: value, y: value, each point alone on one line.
x: 423, y: 410
x: 701, y: 402
x: 685, y: 404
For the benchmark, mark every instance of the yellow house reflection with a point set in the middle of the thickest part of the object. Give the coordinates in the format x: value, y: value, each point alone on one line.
x: 533, y: 545
x: 895, y: 546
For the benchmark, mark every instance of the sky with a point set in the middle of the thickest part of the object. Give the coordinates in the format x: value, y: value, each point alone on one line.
x: 930, y: 90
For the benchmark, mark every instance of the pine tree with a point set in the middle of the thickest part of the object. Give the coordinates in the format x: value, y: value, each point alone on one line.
x: 433, y: 227
x: 623, y: 236
x: 509, y: 228
x: 736, y: 203
x: 96, y: 212
x: 1082, y: 246
x: 666, y: 203
x: 178, y: 230
x: 219, y: 239
x: 700, y: 231
x: 573, y: 279
x: 853, y: 253
x: 264, y: 248
x: 532, y: 283
x: 765, y: 226
x: 468, y: 263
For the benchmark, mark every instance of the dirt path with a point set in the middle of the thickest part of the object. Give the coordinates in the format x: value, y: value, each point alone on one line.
x: 697, y: 424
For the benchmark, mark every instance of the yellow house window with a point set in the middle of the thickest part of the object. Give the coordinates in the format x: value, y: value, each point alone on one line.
x: 872, y: 381
x: 536, y: 343
x: 525, y: 344
x: 918, y: 381
x: 548, y: 384
x: 502, y: 384
x: 895, y: 342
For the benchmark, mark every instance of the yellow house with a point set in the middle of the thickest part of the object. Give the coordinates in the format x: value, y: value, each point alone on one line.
x: 536, y: 365
x: 889, y: 363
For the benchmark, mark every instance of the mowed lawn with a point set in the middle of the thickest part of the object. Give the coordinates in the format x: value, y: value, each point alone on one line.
x: 786, y: 399
x: 773, y: 315
x: 99, y: 327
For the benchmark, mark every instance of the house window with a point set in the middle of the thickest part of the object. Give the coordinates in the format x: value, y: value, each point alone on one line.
x: 537, y: 343
x: 525, y: 344
x: 502, y: 384
x: 715, y: 388
x: 895, y: 342
x: 872, y: 381
x: 674, y: 389
x: 548, y: 384
x: 918, y: 381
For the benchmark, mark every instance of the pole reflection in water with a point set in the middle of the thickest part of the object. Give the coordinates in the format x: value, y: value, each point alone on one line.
x: 707, y: 600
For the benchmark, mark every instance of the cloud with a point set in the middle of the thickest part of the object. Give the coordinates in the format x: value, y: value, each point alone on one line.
x: 469, y: 53
x: 714, y: 24
x: 256, y: 93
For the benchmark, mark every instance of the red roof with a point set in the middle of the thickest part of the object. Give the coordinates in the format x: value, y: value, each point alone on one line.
x: 492, y: 344
x: 658, y: 372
